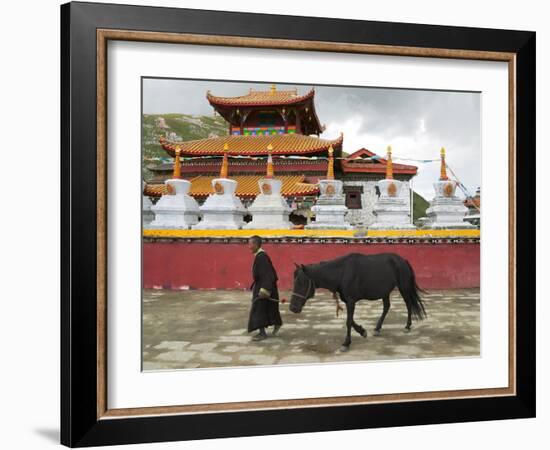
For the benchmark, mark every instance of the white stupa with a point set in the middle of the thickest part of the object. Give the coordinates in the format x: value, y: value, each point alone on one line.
x: 175, y: 209
x: 270, y: 210
x: 222, y: 210
x: 330, y: 208
x: 446, y: 211
x: 391, y: 210
x: 147, y: 215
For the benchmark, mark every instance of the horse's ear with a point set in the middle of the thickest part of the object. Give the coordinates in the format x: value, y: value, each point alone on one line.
x: 297, y: 266
x: 302, y: 267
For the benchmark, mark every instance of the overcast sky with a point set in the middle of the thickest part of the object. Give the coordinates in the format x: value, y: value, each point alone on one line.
x: 415, y: 123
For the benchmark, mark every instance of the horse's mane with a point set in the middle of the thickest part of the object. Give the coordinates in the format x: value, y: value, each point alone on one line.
x: 332, y: 262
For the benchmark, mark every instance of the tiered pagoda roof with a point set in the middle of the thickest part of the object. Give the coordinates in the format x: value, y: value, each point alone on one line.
x: 237, y: 110
x: 275, y: 122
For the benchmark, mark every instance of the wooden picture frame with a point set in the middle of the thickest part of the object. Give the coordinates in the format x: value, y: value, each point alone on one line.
x: 86, y: 419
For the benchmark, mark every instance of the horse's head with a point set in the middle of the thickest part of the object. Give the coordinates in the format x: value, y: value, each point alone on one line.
x: 304, y: 289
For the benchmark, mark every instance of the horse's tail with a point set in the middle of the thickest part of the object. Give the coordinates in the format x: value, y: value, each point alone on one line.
x: 412, y: 292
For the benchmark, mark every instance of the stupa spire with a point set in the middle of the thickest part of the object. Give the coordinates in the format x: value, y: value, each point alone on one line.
x: 330, y: 170
x: 225, y: 165
x: 443, y: 175
x: 269, y: 172
x: 389, y: 165
x: 177, y: 170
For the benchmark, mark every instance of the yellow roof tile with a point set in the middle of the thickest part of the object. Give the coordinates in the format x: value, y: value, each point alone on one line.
x: 247, y: 186
x: 287, y: 144
x: 261, y: 98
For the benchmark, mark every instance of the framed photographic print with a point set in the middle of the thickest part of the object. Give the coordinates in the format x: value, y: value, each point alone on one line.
x: 273, y: 224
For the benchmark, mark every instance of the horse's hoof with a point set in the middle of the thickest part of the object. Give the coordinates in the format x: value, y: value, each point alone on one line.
x: 344, y: 348
x: 364, y: 334
x: 377, y: 333
x: 407, y: 330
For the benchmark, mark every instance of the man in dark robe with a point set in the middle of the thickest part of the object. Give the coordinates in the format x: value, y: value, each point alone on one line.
x: 265, y: 296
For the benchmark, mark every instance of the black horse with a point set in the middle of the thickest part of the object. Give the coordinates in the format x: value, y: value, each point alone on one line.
x: 356, y: 277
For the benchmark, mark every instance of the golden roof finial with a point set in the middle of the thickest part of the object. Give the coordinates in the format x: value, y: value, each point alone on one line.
x: 273, y: 89
x: 177, y: 170
x: 389, y: 165
x: 443, y: 175
x: 270, y: 172
x: 225, y: 165
x: 330, y: 170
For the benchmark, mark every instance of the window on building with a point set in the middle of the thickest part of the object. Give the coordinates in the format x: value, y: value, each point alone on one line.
x: 353, y: 196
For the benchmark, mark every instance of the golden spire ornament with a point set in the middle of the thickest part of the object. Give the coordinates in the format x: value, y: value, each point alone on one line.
x: 443, y: 175
x: 273, y: 89
x: 330, y: 170
x: 177, y: 170
x: 389, y: 165
x: 270, y: 172
x: 225, y: 165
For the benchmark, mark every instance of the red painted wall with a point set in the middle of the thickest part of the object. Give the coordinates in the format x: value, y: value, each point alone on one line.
x: 177, y: 265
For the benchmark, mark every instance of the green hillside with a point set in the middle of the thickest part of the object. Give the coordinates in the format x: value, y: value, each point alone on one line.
x: 420, y: 204
x: 186, y: 127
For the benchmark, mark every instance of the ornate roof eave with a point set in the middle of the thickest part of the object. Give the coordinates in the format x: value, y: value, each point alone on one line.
x: 280, y: 163
x: 348, y: 164
x: 304, y: 193
x: 234, y: 103
x: 188, y: 148
x: 319, y: 128
x: 300, y: 187
x: 214, y: 167
x: 382, y: 170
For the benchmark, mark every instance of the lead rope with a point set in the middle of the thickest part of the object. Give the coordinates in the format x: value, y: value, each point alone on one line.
x: 338, y: 307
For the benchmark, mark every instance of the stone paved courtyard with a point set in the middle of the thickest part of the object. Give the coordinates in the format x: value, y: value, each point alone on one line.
x: 193, y: 329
